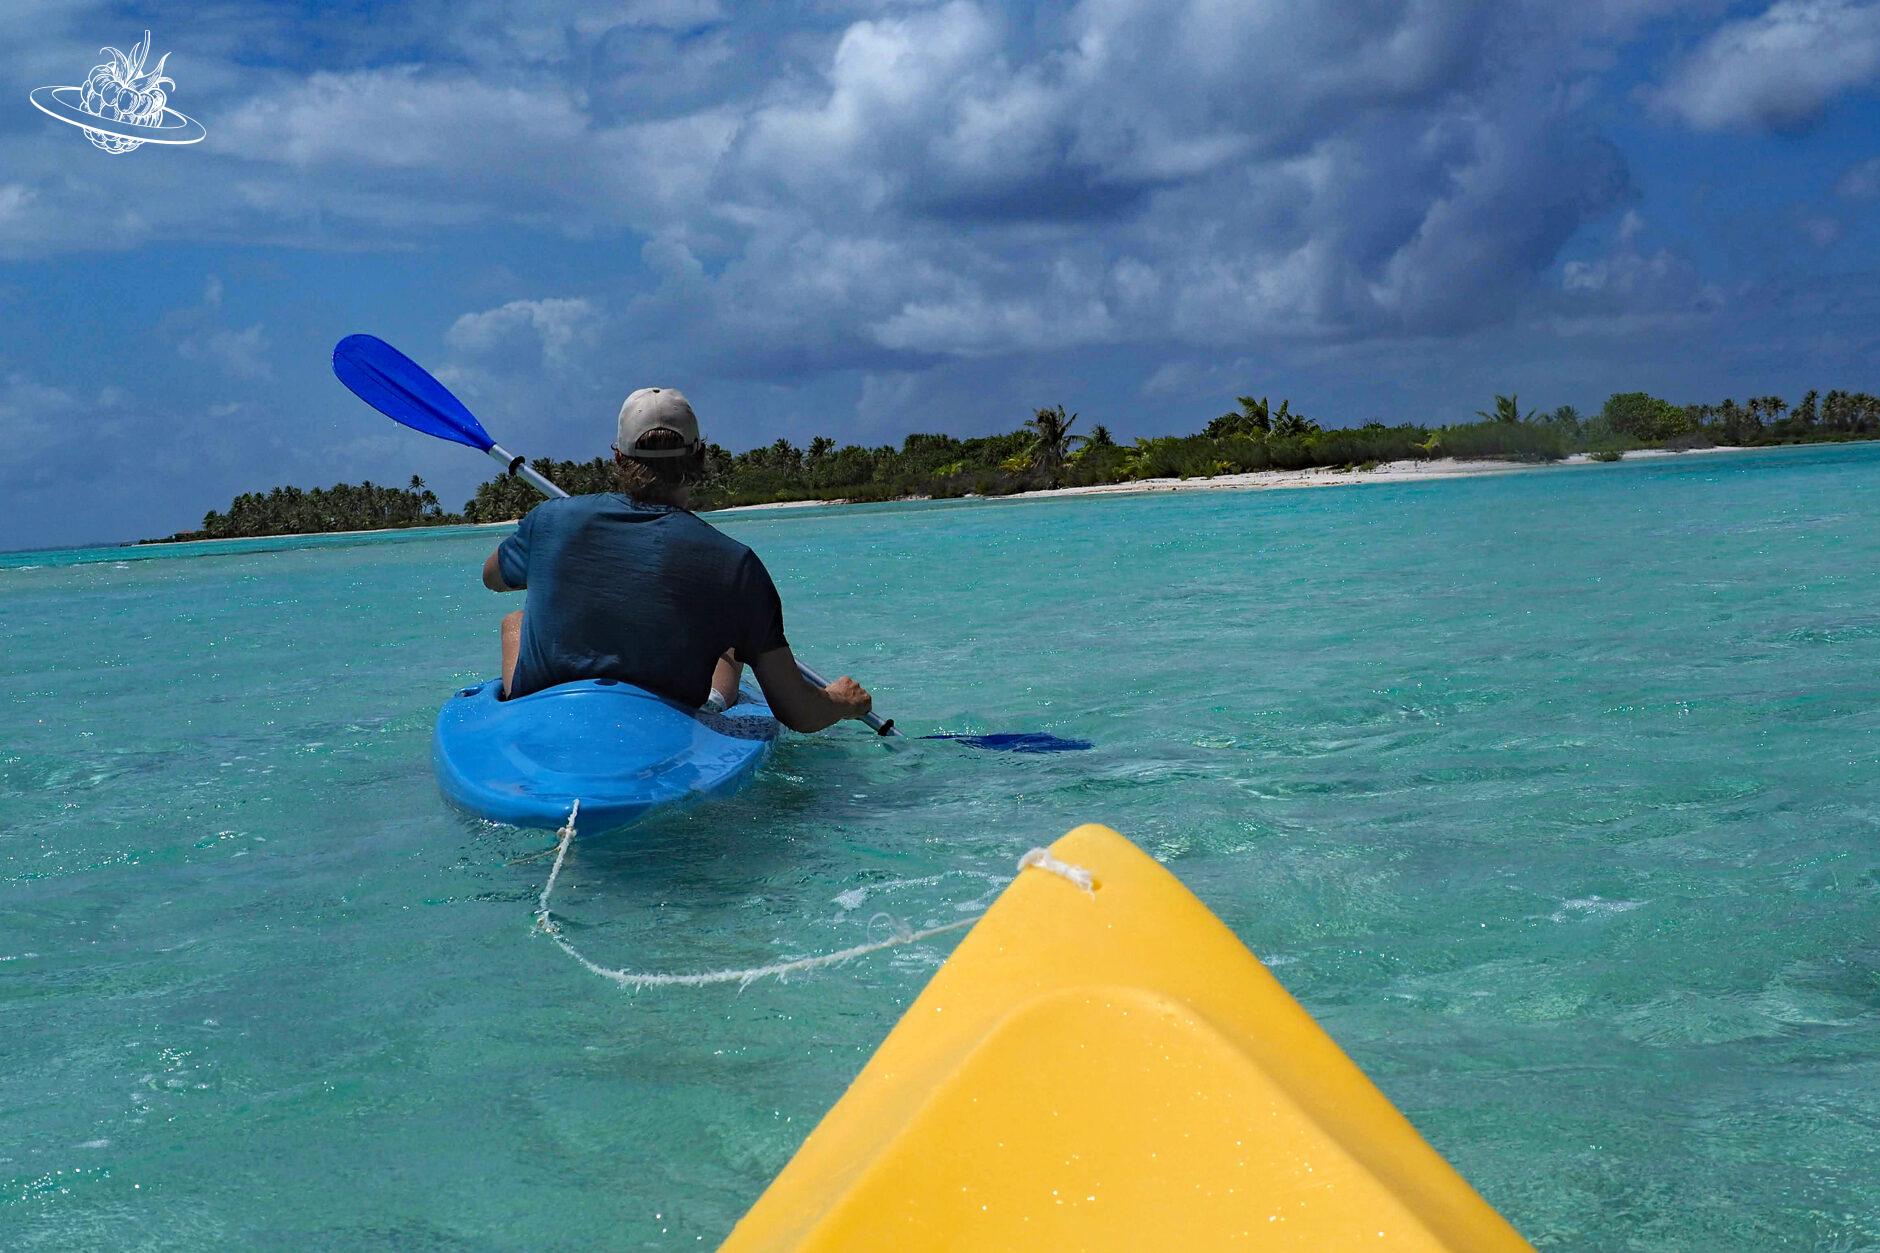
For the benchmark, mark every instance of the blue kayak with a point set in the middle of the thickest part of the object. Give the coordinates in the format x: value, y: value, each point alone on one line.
x: 622, y: 751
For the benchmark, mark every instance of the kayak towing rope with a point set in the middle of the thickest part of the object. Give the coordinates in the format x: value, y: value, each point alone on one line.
x: 1037, y: 858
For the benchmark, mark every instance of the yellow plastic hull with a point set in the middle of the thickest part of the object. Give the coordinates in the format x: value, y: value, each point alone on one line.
x: 1113, y: 1070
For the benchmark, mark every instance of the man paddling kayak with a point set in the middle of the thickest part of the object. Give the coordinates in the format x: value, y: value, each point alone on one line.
x: 631, y: 585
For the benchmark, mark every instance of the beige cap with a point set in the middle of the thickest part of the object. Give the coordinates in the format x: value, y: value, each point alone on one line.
x: 653, y: 409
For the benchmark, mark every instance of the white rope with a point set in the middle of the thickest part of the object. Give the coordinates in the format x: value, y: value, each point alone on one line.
x: 1037, y: 858
x: 1041, y: 859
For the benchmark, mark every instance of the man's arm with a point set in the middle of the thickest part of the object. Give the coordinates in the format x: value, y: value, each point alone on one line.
x: 507, y: 569
x: 493, y: 574
x: 800, y: 704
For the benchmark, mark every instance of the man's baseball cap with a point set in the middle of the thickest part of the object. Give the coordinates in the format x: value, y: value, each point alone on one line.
x: 653, y: 409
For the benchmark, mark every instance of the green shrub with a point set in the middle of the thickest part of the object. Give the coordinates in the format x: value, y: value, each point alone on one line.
x: 1173, y: 456
x: 1514, y: 441
x: 1292, y: 453
x: 1350, y: 446
x: 1641, y: 415
x: 1105, y: 464
x: 1243, y: 453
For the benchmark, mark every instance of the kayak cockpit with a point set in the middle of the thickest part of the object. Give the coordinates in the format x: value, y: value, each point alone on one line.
x: 624, y: 752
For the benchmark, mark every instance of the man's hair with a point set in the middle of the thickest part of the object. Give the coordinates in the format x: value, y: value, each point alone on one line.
x: 658, y: 480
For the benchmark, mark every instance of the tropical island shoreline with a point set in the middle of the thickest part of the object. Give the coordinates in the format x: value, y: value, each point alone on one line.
x: 1275, y: 480
x: 1409, y: 471
x: 1254, y: 447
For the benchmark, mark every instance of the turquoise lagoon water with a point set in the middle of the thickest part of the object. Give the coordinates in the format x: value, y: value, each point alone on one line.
x: 1552, y: 795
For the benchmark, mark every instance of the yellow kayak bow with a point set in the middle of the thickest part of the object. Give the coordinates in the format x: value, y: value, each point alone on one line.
x: 1111, y: 1069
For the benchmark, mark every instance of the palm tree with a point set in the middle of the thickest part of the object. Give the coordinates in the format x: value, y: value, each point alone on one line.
x: 784, y: 456
x: 1806, y: 411
x: 1837, y: 411
x: 1253, y: 418
x: 1289, y: 425
x: 1255, y: 413
x: 1507, y: 409
x: 1099, y: 437
x: 1050, y: 441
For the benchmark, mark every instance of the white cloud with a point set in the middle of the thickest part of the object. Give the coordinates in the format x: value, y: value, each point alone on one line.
x: 411, y: 150
x: 1173, y: 378
x: 1629, y: 290
x: 938, y: 111
x: 958, y: 185
x: 240, y: 354
x: 1630, y: 273
x: 199, y: 335
x: 551, y: 329
x: 1779, y: 70
x: 15, y: 199
x: 20, y: 227
x: 55, y: 437
x: 975, y: 325
x: 30, y: 416
x: 890, y: 85
x: 399, y: 118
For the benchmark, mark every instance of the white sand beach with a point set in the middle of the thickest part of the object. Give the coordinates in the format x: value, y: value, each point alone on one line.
x: 1263, y: 480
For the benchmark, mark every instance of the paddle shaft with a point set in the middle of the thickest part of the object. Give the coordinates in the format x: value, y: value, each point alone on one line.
x: 520, y: 467
x: 872, y: 721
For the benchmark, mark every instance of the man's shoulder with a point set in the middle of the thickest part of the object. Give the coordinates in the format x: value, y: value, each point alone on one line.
x: 699, y: 531
x: 593, y: 502
x: 674, y: 523
x: 602, y: 510
x: 559, y: 507
x: 579, y: 508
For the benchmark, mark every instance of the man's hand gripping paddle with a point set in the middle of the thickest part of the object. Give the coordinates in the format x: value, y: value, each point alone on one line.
x: 405, y: 392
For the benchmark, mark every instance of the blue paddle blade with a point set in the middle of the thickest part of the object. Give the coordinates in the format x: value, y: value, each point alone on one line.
x: 1018, y: 742
x: 403, y: 391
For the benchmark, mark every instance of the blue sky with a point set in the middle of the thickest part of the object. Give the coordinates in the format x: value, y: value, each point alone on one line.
x: 865, y: 219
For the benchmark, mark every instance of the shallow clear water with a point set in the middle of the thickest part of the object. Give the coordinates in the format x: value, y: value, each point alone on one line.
x: 1552, y: 795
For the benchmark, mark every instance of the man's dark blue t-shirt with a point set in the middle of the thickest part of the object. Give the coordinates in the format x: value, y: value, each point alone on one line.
x: 643, y: 593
